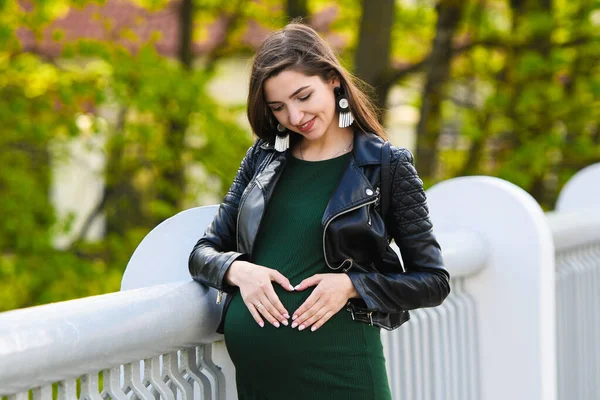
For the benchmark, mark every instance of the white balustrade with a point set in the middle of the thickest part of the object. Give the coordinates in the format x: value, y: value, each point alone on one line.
x: 520, y: 322
x: 576, y: 230
x: 110, y: 334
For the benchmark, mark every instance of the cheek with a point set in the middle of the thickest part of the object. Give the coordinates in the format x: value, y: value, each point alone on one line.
x: 327, y: 106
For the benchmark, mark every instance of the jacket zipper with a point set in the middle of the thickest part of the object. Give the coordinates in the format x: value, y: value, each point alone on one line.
x: 376, y: 202
x: 334, y: 217
x: 237, y: 228
x: 240, y: 206
x: 253, y: 183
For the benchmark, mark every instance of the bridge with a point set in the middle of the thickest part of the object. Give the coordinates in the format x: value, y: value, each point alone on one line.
x: 521, y: 321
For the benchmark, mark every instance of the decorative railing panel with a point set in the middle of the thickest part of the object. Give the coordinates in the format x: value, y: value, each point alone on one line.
x: 186, y: 374
x: 576, y: 237
x: 578, y: 322
x: 435, y: 355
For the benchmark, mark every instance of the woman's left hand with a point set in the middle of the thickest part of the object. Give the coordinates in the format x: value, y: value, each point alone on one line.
x: 330, y: 295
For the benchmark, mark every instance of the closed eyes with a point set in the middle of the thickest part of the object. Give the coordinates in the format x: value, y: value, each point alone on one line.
x: 275, y: 109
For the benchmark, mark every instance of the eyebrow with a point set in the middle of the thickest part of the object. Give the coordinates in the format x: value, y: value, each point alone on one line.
x: 292, y: 95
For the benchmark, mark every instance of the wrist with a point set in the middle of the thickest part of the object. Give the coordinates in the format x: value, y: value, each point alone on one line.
x: 352, y: 292
x: 232, y: 273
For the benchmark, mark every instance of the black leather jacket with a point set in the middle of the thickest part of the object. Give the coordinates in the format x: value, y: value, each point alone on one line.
x: 355, y: 237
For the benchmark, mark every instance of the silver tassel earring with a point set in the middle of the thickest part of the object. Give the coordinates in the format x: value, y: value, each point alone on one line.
x: 343, y: 107
x: 282, y: 138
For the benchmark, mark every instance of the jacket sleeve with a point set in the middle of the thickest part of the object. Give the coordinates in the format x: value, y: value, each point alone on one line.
x: 425, y: 281
x: 214, y: 253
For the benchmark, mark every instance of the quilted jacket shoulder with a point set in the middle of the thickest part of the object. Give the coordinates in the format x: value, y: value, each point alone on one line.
x: 409, y: 202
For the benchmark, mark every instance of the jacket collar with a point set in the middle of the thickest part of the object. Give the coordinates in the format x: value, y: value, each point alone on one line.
x: 366, y: 148
x: 353, y: 189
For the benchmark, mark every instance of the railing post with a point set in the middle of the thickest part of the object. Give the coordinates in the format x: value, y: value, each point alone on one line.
x: 582, y: 191
x: 162, y: 257
x: 515, y: 292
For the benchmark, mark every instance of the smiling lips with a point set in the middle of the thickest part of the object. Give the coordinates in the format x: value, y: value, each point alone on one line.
x: 306, y: 127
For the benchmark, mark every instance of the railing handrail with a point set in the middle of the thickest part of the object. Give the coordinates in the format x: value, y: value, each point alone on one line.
x: 54, y: 342
x: 571, y: 229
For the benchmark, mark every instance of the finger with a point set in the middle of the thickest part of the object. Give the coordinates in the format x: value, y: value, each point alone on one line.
x: 306, y: 310
x: 269, y: 298
x: 280, y: 312
x: 308, y: 282
x: 267, y: 310
x: 317, y: 316
x: 255, y: 314
x: 282, y: 280
x: 277, y: 309
x: 323, y: 319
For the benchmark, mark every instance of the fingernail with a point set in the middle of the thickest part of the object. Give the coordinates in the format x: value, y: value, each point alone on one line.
x: 294, y: 317
x: 294, y: 324
x: 297, y: 286
x: 285, y: 322
x: 276, y: 324
x: 262, y: 324
x: 286, y: 315
x: 292, y: 288
x: 313, y: 328
x: 301, y: 327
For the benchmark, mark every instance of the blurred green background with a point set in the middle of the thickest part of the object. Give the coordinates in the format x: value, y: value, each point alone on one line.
x: 118, y: 114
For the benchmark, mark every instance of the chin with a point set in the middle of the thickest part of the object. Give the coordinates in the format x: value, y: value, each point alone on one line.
x: 316, y: 133
x: 313, y: 135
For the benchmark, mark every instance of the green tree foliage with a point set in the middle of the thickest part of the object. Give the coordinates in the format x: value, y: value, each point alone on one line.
x: 530, y: 106
x: 42, y: 97
x: 503, y: 87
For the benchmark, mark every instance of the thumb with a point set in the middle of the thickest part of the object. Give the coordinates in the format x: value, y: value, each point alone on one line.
x: 282, y: 280
x: 311, y: 281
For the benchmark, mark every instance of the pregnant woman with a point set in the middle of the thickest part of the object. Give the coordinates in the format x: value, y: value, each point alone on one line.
x: 300, y: 243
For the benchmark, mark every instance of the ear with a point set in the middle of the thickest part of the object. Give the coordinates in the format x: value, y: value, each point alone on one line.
x: 335, y: 82
x: 334, y: 79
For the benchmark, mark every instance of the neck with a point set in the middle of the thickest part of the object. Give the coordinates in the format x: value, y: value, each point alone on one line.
x: 331, y: 144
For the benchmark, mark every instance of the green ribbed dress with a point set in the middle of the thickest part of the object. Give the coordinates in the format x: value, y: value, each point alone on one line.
x: 341, y: 360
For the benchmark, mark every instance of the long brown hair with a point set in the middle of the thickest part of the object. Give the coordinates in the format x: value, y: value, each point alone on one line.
x: 298, y: 47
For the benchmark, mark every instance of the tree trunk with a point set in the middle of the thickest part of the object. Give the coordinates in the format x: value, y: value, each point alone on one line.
x: 524, y: 134
x: 476, y: 149
x: 437, y: 72
x: 173, y: 178
x: 372, y: 60
x: 186, y: 18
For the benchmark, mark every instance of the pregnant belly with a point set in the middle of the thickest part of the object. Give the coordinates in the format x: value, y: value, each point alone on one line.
x: 342, y: 355
x: 249, y: 345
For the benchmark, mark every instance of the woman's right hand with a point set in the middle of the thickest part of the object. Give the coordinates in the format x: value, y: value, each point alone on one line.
x: 257, y: 291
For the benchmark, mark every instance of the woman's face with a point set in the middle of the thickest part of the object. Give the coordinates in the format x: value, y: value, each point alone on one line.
x: 303, y: 104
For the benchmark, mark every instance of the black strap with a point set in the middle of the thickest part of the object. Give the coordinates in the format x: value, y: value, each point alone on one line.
x: 385, y: 178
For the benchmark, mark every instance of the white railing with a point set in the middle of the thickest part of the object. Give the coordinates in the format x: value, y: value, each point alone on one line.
x: 513, y: 318
x: 576, y: 231
x: 104, y: 337
x: 435, y: 355
x: 508, y: 329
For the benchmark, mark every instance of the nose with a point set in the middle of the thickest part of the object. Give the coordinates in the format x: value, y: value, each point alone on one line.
x: 295, y: 115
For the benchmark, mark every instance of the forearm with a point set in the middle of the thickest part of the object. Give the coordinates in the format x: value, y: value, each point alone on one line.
x: 214, y: 253
x: 210, y: 265
x: 395, y: 292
